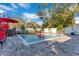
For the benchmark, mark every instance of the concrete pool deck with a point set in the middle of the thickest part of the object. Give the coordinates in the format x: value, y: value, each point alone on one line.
x: 15, y: 47
x: 53, y: 39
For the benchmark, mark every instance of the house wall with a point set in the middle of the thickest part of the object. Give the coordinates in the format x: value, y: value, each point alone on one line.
x: 11, y: 25
x: 17, y: 25
x: 30, y: 30
x: 75, y: 29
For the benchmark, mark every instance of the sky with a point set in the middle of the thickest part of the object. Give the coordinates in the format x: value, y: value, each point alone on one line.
x: 25, y: 10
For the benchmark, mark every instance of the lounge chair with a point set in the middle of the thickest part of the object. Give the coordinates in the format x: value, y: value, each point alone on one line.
x: 46, y: 30
x: 53, y: 30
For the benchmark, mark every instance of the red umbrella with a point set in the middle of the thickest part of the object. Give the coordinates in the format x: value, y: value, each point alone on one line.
x: 9, y: 20
x: 5, y: 26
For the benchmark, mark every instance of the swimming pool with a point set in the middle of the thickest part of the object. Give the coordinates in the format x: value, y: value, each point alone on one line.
x: 29, y: 39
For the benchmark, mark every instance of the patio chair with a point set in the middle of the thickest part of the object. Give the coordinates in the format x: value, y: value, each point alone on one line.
x: 53, y: 30
x: 46, y: 30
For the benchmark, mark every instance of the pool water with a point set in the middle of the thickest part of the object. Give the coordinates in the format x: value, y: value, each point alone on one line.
x: 32, y: 38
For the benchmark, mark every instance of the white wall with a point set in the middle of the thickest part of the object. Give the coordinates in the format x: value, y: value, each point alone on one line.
x: 50, y: 30
x: 69, y: 30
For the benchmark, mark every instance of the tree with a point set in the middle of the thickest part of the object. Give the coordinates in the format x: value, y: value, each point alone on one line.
x: 0, y: 27
x: 42, y: 14
x: 60, y: 16
x: 23, y: 27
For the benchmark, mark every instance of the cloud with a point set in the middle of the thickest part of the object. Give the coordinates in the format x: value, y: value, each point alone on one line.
x: 30, y: 16
x: 72, y: 7
x: 77, y: 20
x: 2, y: 11
x: 24, y: 5
x: 6, y: 8
x: 39, y: 22
x: 14, y: 5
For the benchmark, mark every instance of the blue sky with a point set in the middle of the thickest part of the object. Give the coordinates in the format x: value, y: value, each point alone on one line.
x: 21, y: 8
x: 26, y: 11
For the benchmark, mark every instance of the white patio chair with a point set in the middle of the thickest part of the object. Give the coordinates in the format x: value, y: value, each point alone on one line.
x: 46, y: 30
x: 53, y: 30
